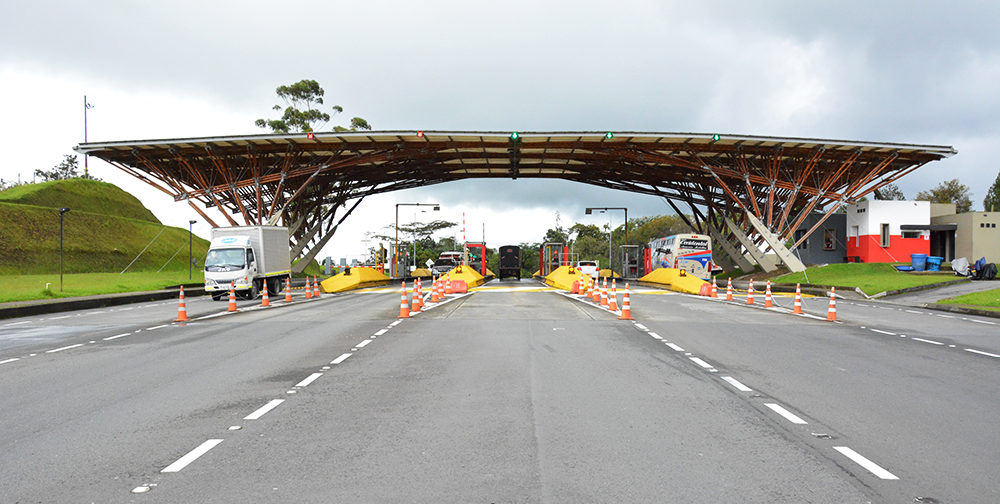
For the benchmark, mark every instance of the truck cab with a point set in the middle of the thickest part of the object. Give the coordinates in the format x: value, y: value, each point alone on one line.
x: 230, y: 259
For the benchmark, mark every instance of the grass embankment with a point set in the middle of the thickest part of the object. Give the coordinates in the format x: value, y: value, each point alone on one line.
x: 872, y: 278
x: 31, y: 287
x: 988, y: 300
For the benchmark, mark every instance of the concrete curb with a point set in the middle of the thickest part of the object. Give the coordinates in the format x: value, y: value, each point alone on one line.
x: 960, y: 309
x: 45, y: 306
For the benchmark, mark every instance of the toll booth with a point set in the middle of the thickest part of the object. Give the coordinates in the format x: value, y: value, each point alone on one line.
x: 476, y: 252
x: 551, y: 256
x: 630, y: 258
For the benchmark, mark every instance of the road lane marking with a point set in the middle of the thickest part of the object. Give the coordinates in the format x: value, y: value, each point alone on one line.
x: 157, y: 327
x: 864, y: 462
x: 394, y: 324
x: 311, y: 378
x: 340, y: 359
x: 109, y: 338
x: 982, y: 322
x: 17, y: 323
x: 381, y: 332
x: 917, y: 312
x: 791, y: 417
x: 655, y: 336
x: 884, y: 332
x: 926, y: 341
x: 739, y: 386
x: 700, y: 362
x: 264, y: 409
x: 675, y: 347
x: 64, y: 348
x: 193, y: 455
x: 94, y: 313
x: 640, y: 326
x: 363, y: 343
x: 59, y: 318
x: 982, y: 353
x: 944, y: 316
x: 9, y: 360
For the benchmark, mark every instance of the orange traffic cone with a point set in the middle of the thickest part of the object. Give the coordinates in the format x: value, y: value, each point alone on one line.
x: 767, y: 296
x: 604, y: 293
x: 404, y: 305
x: 232, y: 296
x: 265, y: 301
x: 288, y: 290
x: 447, y: 284
x: 434, y: 292
x: 831, y: 315
x: 715, y: 288
x: 586, y: 286
x: 416, y: 298
x: 182, y: 312
x: 308, y: 289
x: 798, y: 300
x: 626, y: 307
x: 750, y: 293
x: 315, y: 287
x: 729, y: 290
x: 596, y: 290
x: 613, y: 297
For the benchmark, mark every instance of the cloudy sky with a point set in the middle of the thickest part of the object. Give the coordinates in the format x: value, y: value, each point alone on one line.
x: 902, y: 71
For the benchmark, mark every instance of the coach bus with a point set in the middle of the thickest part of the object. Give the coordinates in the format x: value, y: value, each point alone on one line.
x: 689, y: 252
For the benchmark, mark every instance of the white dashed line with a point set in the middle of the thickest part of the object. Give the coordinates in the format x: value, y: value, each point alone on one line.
x: 982, y: 353
x: 64, y: 348
x: 884, y: 332
x: 739, y: 386
x: 655, y: 336
x: 944, y: 316
x: 381, y: 332
x: 340, y: 359
x: 675, y: 347
x: 109, y: 338
x: 59, y: 318
x: 640, y: 326
x: 9, y: 360
x: 700, y: 362
x: 311, y: 378
x: 17, y: 323
x: 364, y: 343
x: 927, y: 341
x: 193, y: 455
x: 982, y: 322
x: 264, y: 409
x: 917, y: 312
x: 791, y: 417
x: 95, y: 312
x: 394, y: 324
x: 157, y: 327
x: 867, y: 464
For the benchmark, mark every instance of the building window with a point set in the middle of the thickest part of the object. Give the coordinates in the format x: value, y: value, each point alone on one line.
x: 798, y: 236
x: 829, y: 239
x: 911, y: 234
x: 884, y: 242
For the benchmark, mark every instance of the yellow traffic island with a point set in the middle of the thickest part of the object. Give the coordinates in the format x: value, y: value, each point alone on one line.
x: 471, y: 277
x: 606, y: 273
x: 354, y: 278
x: 421, y: 273
x: 676, y: 280
x: 563, y: 278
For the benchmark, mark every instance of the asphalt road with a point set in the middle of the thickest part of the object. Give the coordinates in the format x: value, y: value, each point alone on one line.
x: 505, y: 395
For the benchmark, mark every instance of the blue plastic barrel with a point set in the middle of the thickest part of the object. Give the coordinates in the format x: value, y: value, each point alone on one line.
x: 918, y: 261
x: 934, y: 263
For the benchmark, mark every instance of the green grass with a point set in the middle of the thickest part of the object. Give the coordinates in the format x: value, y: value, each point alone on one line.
x: 31, y: 287
x: 986, y: 299
x: 872, y: 278
x: 80, y: 195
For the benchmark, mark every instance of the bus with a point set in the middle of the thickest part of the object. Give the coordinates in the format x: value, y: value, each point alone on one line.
x: 689, y: 252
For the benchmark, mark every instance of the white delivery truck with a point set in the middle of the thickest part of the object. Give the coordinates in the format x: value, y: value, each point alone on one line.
x: 247, y: 257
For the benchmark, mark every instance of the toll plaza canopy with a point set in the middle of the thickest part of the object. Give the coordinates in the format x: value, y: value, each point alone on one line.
x: 745, y: 190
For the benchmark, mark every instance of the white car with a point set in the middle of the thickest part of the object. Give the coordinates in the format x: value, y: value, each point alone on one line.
x: 588, y: 268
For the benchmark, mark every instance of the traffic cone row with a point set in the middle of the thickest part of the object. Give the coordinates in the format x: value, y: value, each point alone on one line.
x: 831, y: 314
x: 182, y: 313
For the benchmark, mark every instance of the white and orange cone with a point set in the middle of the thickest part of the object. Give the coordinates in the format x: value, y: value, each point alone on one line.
x: 797, y: 308
x: 264, y: 299
x: 416, y: 298
x: 831, y: 315
x: 434, y: 292
x: 182, y: 312
x: 729, y: 290
x: 232, y: 296
x: 626, y: 307
x: 604, y: 293
x: 586, y: 286
x: 613, y: 297
x: 750, y: 293
x: 596, y: 291
x: 715, y: 288
x: 315, y: 287
x: 767, y: 296
x: 308, y: 289
x: 404, y: 305
x: 447, y: 284
x: 288, y: 290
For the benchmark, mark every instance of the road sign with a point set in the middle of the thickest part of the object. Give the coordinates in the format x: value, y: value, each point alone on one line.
x: 429, y: 263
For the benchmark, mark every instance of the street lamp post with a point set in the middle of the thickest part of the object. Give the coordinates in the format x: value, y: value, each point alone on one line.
x: 395, y: 251
x: 86, y: 107
x: 190, y: 259
x: 590, y: 211
x: 61, y: 212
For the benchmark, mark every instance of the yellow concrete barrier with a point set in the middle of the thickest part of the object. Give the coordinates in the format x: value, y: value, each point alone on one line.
x: 472, y: 277
x: 563, y: 277
x: 672, y: 279
x: 358, y: 279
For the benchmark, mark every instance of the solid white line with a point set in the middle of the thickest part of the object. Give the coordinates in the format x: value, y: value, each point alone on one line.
x: 982, y: 353
x: 59, y: 318
x: 9, y: 360
x: 927, y: 341
x: 17, y: 323
x: 791, y: 417
x: 363, y: 343
x: 867, y: 464
x: 655, y: 336
x: 739, y: 386
x: 193, y: 455
x: 381, y: 332
x: 264, y: 409
x: 675, y: 347
x: 970, y: 320
x: 340, y: 359
x: 157, y: 327
x: 700, y: 362
x: 311, y: 378
x: 884, y: 332
x: 109, y: 338
x: 65, y: 348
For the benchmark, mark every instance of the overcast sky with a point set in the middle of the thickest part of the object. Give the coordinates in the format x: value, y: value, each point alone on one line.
x: 907, y: 71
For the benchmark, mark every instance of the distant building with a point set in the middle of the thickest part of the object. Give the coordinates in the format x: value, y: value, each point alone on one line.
x: 974, y: 235
x: 888, y: 231
x: 826, y: 245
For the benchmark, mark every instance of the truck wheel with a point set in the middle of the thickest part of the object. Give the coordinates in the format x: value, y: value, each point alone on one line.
x: 253, y: 292
x: 216, y: 297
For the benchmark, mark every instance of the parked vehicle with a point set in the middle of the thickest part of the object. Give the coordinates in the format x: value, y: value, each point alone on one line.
x: 510, y: 262
x: 247, y: 257
x: 588, y: 268
x: 444, y: 265
x: 689, y: 252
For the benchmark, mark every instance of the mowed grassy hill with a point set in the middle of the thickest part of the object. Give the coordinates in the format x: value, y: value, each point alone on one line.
x: 104, y: 231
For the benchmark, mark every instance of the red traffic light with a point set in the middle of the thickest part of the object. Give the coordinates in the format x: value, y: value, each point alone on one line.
x: 420, y: 134
x: 310, y: 136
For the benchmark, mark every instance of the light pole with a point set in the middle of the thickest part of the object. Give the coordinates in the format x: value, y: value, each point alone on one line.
x: 395, y: 251
x: 86, y: 107
x: 61, y: 212
x: 190, y: 265
x: 590, y: 211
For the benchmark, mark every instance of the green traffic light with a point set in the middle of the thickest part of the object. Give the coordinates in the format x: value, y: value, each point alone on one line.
x: 609, y: 135
x: 514, y: 136
x: 716, y: 137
